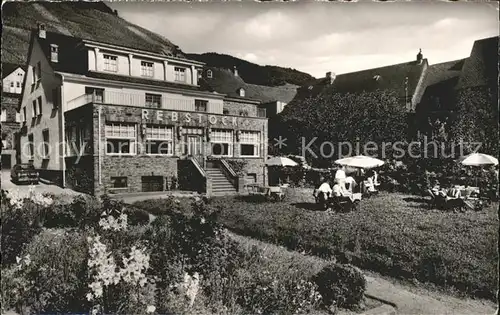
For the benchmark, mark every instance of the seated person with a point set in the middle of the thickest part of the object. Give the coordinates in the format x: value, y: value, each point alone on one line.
x: 453, y: 193
x: 339, y: 190
x: 370, y: 186
x: 340, y: 174
x: 350, y: 183
x: 321, y: 181
x: 324, y: 189
x: 375, y: 178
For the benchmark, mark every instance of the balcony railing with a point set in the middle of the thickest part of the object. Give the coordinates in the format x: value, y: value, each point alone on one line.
x: 131, y: 99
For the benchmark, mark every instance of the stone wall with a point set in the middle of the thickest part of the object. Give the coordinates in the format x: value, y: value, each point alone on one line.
x: 134, y: 167
x: 236, y: 108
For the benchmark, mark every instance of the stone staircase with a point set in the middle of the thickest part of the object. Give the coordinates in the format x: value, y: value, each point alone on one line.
x: 220, y: 184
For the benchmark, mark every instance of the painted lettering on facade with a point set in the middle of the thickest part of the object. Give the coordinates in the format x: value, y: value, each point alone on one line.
x: 171, y: 116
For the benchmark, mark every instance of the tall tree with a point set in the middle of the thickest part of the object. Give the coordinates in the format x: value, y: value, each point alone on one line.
x: 333, y: 117
x: 477, y: 118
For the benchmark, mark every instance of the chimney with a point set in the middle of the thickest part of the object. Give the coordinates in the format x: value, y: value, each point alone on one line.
x: 420, y: 56
x: 115, y: 12
x: 330, y: 76
x: 41, y: 31
x: 235, y: 70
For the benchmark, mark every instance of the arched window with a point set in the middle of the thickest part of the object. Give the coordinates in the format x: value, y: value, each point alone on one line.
x: 209, y: 74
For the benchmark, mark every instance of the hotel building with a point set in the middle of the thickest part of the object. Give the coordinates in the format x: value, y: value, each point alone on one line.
x: 103, y: 119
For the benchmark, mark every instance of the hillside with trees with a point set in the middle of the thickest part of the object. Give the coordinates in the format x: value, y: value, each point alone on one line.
x: 253, y: 73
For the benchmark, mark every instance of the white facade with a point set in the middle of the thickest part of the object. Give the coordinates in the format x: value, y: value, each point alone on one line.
x: 13, y: 83
x: 49, y: 94
x: 117, y: 93
x: 120, y: 62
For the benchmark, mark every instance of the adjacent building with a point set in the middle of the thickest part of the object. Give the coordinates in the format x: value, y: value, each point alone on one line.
x: 12, y: 80
x: 105, y: 118
x: 272, y: 99
x: 443, y: 83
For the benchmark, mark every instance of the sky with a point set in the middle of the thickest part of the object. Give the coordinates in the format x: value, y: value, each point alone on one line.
x: 318, y: 37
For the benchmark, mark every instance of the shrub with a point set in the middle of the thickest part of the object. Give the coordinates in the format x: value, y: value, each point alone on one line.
x: 137, y: 216
x: 341, y: 285
x: 80, y: 212
x: 162, y: 206
x: 21, y: 219
x: 50, y: 274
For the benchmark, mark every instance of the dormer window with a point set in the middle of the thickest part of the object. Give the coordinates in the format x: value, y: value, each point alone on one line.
x: 180, y: 74
x: 110, y: 63
x: 54, y: 53
x: 209, y: 74
x: 376, y: 77
x: 147, y: 69
x: 241, y: 92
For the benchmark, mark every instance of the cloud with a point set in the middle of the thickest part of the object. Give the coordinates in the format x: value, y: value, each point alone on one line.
x: 446, y: 23
x: 320, y: 37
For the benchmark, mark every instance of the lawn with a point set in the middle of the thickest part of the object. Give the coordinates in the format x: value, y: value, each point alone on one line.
x: 393, y: 234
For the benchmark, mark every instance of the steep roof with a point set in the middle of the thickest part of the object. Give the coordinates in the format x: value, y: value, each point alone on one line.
x: 86, y: 20
x: 481, y: 68
x: 439, y: 83
x: 391, y: 77
x: 224, y: 81
x: 8, y: 68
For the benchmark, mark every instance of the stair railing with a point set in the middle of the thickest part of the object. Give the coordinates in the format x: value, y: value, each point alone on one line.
x: 229, y: 173
x: 198, y: 166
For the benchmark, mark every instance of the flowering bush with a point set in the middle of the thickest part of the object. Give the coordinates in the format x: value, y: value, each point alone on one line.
x: 49, y: 275
x: 22, y: 217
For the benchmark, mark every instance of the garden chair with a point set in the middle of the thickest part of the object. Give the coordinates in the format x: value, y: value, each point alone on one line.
x: 323, y: 200
x: 454, y: 200
x: 276, y: 193
x: 346, y: 203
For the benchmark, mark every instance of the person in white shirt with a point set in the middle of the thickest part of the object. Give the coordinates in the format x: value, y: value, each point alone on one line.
x: 325, y: 188
x: 340, y: 174
x: 323, y: 193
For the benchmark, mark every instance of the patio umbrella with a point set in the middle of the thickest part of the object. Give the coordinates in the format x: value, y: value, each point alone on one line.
x: 280, y: 161
x: 478, y: 159
x: 360, y: 161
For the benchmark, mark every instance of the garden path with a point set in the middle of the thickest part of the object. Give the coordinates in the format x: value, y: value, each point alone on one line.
x: 422, y: 303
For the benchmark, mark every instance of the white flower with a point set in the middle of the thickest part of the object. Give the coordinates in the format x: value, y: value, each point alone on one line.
x: 89, y: 296
x: 150, y: 309
x: 18, y: 259
x: 27, y: 260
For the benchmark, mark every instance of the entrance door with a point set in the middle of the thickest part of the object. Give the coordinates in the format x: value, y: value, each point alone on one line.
x: 193, y: 145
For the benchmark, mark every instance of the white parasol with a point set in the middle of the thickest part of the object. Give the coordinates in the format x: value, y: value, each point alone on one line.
x: 281, y: 161
x: 478, y: 159
x: 360, y: 161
